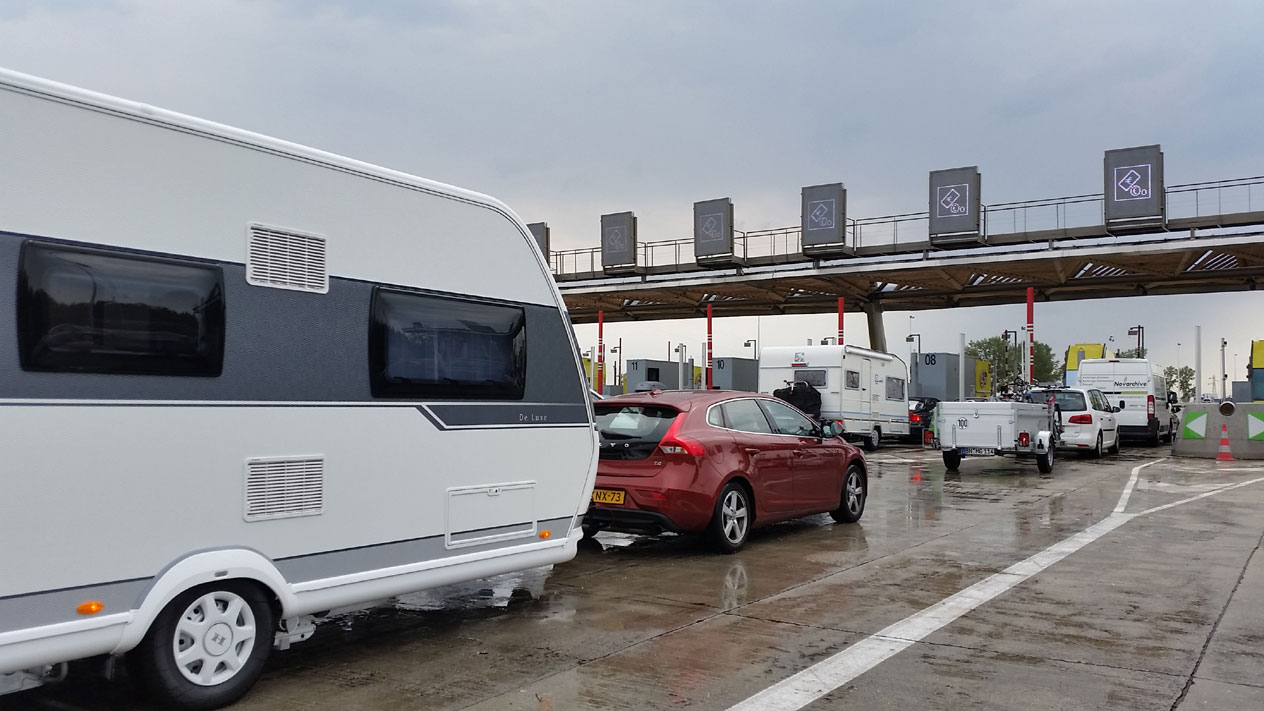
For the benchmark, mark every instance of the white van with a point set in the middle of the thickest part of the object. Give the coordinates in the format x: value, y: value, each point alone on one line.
x: 1137, y: 387
x: 245, y: 384
x: 863, y: 389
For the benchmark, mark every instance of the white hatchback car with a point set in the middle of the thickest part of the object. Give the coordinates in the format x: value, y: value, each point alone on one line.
x: 1088, y: 419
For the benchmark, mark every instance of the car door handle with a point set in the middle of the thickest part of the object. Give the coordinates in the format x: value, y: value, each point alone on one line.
x: 800, y: 453
x: 752, y: 451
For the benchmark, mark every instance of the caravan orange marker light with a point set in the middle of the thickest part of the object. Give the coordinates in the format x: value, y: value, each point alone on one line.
x: 545, y: 534
x: 90, y: 607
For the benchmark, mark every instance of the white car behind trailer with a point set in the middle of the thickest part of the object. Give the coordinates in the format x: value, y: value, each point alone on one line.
x: 245, y: 383
x: 988, y: 429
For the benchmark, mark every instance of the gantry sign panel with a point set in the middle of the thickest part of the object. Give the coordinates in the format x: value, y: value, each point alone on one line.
x: 1134, y: 185
x: 824, y: 219
x: 713, y: 228
x: 954, y: 205
x: 618, y: 240
x: 540, y: 230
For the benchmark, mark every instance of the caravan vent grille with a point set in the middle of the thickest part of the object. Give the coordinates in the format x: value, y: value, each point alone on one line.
x: 285, y: 259
x: 284, y: 488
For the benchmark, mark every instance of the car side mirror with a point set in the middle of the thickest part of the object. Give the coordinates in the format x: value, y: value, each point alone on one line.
x: 1172, y: 399
x: 1114, y: 409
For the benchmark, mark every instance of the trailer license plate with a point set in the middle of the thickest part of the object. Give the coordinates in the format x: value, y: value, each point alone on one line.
x: 978, y: 451
x: 607, y: 496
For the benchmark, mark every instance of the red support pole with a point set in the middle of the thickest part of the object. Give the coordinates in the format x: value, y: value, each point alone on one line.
x: 841, y: 303
x: 1031, y: 335
x: 708, y: 346
x: 599, y: 382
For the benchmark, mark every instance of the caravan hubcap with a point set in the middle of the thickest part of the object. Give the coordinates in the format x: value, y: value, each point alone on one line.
x: 214, y: 638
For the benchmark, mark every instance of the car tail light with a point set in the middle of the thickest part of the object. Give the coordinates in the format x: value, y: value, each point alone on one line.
x: 674, y: 443
x: 1080, y: 420
x: 1024, y: 439
x: 914, y: 418
x: 1150, y: 405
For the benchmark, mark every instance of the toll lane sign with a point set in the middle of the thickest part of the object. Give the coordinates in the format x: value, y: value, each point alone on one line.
x: 1134, y: 185
x: 1195, y: 426
x: 618, y: 239
x: 824, y: 218
x: 954, y: 205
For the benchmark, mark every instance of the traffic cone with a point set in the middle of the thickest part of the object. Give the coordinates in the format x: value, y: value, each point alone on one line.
x: 1224, y: 455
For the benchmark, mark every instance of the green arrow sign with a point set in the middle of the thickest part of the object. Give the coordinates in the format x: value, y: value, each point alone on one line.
x: 1255, y: 425
x: 1195, y: 426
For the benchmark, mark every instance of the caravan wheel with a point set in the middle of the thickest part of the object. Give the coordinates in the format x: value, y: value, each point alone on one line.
x: 873, y: 440
x: 207, y: 647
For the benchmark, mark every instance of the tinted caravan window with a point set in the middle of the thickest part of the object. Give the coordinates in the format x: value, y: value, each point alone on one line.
x: 95, y: 311
x: 423, y: 346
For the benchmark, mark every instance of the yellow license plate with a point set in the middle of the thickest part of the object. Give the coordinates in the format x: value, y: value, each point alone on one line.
x: 607, y: 496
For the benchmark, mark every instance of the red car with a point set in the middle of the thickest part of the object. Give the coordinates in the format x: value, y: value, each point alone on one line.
x: 720, y: 463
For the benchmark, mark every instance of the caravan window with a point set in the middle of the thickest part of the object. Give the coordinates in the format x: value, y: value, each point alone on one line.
x: 895, y: 388
x: 815, y: 378
x: 423, y: 346
x: 853, y: 379
x: 94, y: 311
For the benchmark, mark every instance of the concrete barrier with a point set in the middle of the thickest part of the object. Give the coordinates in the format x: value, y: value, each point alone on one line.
x: 1199, y: 432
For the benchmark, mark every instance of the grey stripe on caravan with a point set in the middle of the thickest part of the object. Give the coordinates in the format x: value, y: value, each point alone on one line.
x: 332, y: 564
x: 54, y: 606
x: 49, y: 607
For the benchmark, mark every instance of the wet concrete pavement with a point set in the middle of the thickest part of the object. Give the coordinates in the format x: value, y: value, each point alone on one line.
x: 1162, y: 612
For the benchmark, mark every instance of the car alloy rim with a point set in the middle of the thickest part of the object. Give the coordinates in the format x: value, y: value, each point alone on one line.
x: 214, y: 638
x: 734, y: 516
x: 855, y: 491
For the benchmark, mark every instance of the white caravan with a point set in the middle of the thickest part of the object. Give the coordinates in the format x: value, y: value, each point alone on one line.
x: 244, y: 384
x: 1136, y: 386
x: 865, y: 390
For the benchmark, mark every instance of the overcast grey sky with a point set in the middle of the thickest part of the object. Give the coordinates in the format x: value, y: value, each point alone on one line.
x: 568, y: 110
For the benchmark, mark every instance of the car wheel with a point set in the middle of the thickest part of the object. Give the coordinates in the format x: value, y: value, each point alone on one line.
x: 874, y: 440
x: 855, y: 492
x: 952, y: 460
x: 1097, y: 449
x: 1044, y: 462
x: 589, y: 530
x: 1114, y: 446
x: 207, y: 647
x: 730, y: 523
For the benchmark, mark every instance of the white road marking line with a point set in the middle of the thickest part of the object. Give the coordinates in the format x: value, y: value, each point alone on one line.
x: 1132, y: 482
x: 1200, y: 496
x: 821, y: 678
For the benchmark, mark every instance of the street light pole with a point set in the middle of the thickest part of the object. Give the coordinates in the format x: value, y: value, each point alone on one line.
x: 916, y: 358
x: 1224, y: 376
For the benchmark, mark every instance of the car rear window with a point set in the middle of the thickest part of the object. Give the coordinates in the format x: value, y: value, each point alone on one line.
x: 632, y: 431
x: 1069, y: 401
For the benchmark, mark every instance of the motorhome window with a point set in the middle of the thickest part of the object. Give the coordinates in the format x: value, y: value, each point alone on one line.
x: 895, y: 389
x: 423, y: 346
x: 815, y: 378
x: 853, y: 379
x: 745, y: 416
x: 94, y: 311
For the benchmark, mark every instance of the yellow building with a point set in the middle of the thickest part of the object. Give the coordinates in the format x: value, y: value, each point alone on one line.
x: 1078, y: 351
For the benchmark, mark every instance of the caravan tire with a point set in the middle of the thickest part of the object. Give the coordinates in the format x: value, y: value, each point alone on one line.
x: 952, y: 460
x: 207, y: 647
x: 873, y: 439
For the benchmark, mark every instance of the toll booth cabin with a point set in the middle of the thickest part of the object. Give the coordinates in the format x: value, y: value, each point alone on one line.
x: 735, y: 374
x: 667, y: 372
x: 938, y: 375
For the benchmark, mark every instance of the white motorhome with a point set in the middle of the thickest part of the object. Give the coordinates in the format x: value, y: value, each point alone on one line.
x: 1138, y: 388
x: 866, y: 390
x: 244, y: 384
